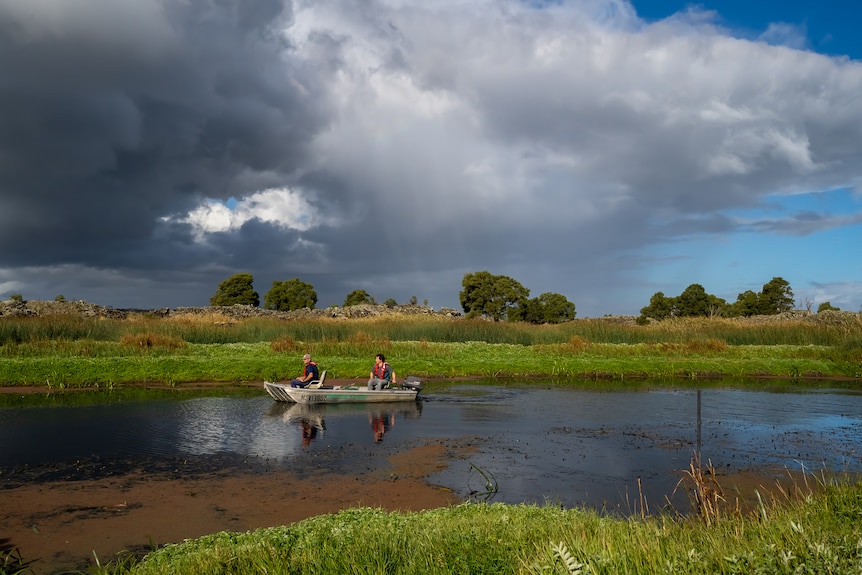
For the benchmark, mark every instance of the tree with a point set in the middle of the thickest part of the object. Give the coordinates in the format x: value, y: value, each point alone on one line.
x: 693, y: 301
x: 747, y: 304
x: 497, y: 297
x: 390, y: 302
x: 549, y: 308
x: 659, y: 308
x: 236, y: 289
x: 289, y: 295
x: 827, y: 306
x: 717, y: 306
x: 356, y: 297
x: 776, y: 297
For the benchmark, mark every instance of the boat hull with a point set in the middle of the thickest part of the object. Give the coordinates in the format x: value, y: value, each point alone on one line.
x: 278, y: 391
x: 351, y: 394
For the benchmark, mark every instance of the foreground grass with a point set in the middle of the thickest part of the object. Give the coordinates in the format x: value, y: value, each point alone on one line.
x: 817, y: 533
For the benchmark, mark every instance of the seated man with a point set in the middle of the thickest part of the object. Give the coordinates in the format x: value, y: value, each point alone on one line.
x: 381, y: 374
x: 309, y: 374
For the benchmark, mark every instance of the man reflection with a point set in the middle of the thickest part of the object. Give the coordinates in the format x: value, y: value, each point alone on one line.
x: 310, y: 429
x: 381, y: 422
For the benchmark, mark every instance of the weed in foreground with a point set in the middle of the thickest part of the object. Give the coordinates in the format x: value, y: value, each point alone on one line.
x: 123, y: 565
x: 570, y: 566
x: 705, y: 493
x: 489, y: 487
x: 11, y: 562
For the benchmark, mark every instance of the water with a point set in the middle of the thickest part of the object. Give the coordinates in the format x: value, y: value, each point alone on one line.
x: 558, y: 443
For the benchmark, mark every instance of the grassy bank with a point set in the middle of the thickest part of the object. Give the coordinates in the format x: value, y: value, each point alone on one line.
x: 814, y: 533
x: 62, y: 351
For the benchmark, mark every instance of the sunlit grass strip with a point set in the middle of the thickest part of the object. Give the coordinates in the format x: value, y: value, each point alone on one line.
x: 820, y: 533
x: 117, y: 363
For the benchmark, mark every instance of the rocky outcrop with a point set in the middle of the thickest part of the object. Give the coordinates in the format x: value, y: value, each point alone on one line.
x: 18, y: 308
x: 353, y: 311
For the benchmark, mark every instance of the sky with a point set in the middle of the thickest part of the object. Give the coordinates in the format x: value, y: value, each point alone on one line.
x: 604, y: 150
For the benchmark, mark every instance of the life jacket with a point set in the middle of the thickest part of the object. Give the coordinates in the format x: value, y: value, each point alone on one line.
x: 379, y: 371
x: 308, y: 367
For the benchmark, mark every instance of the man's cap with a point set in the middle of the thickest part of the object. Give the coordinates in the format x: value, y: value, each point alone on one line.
x: 306, y: 356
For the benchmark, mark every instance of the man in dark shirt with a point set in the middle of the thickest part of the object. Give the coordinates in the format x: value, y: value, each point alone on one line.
x: 309, y: 374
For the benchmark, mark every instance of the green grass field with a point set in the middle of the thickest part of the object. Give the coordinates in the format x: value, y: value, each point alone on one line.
x: 63, y: 351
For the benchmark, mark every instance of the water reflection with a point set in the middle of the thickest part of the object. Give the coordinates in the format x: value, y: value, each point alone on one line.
x: 310, y: 429
x: 381, y: 422
x: 607, y: 446
x: 559, y: 442
x: 310, y: 418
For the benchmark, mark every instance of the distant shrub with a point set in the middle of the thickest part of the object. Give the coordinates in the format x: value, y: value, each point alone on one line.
x: 360, y: 338
x: 148, y: 340
x: 576, y: 344
x: 284, y: 344
x: 710, y: 345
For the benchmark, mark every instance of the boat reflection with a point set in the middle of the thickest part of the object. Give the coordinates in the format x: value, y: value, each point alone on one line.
x: 311, y: 417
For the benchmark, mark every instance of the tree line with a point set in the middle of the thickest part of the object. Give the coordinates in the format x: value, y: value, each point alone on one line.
x: 484, y: 295
x: 775, y: 297
x: 502, y: 298
x: 287, y: 295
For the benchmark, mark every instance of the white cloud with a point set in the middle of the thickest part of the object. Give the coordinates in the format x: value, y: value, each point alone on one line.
x: 281, y: 207
x: 783, y: 34
x: 10, y: 287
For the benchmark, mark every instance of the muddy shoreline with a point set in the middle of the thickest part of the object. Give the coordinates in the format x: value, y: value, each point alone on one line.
x: 63, y: 525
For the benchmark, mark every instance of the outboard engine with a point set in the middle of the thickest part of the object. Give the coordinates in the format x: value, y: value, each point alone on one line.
x: 412, y: 382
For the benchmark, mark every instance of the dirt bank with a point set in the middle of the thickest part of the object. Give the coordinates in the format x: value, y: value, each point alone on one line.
x: 61, y: 526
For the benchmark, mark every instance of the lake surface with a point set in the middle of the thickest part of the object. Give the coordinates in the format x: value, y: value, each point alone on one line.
x: 560, y: 442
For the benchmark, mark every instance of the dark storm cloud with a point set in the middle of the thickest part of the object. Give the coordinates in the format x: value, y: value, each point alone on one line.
x: 117, y: 113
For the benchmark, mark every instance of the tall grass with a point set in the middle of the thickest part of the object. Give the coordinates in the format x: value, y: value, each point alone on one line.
x: 219, y: 328
x: 59, y: 327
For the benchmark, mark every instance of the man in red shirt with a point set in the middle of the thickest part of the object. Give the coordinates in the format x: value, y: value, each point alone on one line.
x: 381, y: 374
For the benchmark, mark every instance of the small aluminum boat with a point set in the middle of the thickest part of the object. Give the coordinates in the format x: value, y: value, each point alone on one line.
x: 317, y: 392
